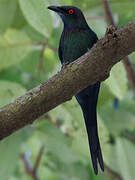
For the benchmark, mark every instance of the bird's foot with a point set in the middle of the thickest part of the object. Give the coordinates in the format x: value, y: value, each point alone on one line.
x: 65, y: 64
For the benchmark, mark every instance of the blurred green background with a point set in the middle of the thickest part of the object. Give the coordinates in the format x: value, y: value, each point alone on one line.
x: 29, y: 38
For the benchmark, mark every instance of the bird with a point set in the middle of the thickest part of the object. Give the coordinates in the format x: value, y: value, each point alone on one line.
x: 76, y: 39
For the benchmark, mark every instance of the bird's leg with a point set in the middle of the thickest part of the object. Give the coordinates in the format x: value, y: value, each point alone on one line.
x: 65, y: 64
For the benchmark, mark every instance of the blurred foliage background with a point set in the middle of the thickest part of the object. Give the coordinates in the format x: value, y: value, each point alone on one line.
x: 29, y: 38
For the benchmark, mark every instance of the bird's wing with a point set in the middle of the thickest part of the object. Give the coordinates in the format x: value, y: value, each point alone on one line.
x: 60, y: 52
x: 75, y: 44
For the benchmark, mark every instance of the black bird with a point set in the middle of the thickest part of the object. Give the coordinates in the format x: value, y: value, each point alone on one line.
x: 76, y: 39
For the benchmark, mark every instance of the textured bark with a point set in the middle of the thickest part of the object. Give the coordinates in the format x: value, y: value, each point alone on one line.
x: 126, y: 60
x: 92, y: 67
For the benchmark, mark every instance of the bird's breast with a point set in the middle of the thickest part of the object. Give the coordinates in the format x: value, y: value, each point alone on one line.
x: 74, y: 44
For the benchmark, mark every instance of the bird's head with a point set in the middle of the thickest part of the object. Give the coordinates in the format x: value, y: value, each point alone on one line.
x: 70, y: 15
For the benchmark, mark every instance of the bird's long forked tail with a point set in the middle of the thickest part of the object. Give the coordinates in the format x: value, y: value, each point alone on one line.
x: 90, y: 117
x: 87, y: 99
x: 95, y: 150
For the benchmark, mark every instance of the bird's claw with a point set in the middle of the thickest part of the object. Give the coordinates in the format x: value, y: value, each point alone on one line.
x: 65, y: 64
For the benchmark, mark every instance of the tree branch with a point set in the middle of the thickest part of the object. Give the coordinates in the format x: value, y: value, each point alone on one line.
x: 32, y: 171
x: 126, y: 60
x: 129, y: 135
x: 108, y: 13
x: 35, y: 168
x: 92, y: 67
x: 28, y: 168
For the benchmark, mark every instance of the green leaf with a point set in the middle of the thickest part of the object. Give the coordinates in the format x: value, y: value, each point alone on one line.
x: 7, y: 11
x: 121, y: 7
x: 80, y: 146
x: 76, y: 170
x: 13, y: 47
x: 87, y: 4
x: 34, y: 35
x: 9, y: 91
x: 9, y: 154
x: 98, y: 25
x: 11, y: 74
x: 125, y: 158
x: 30, y: 65
x: 125, y: 17
x: 80, y: 142
x: 116, y: 120
x: 56, y: 142
x: 19, y: 20
x: 75, y: 114
x: 37, y: 15
x: 55, y: 37
x: 105, y: 95
x: 117, y: 82
x: 104, y: 137
x: 128, y: 104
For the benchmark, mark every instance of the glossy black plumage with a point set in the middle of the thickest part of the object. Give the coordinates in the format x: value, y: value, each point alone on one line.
x: 76, y: 39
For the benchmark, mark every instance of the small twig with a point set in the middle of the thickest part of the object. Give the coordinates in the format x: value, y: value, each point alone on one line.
x: 95, y: 18
x: 108, y: 13
x: 32, y: 171
x: 130, y: 71
x: 38, y: 159
x: 40, y: 65
x: 55, y: 50
x: 130, y: 136
x: 28, y: 168
x: 22, y: 44
x: 112, y: 174
x: 126, y: 61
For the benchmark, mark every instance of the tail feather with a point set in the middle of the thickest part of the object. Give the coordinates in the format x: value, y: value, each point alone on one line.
x: 87, y: 99
x: 95, y: 150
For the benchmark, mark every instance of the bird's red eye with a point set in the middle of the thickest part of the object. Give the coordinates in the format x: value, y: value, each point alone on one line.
x: 71, y: 11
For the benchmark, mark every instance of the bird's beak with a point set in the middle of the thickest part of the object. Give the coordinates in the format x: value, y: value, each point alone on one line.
x: 57, y: 9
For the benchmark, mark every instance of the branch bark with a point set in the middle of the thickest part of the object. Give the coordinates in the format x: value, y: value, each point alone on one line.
x: 126, y: 60
x: 92, y: 67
